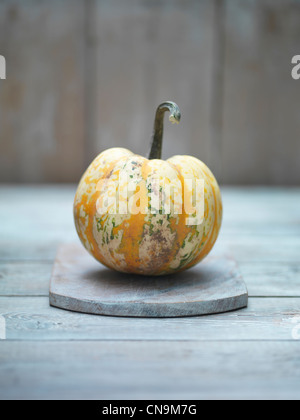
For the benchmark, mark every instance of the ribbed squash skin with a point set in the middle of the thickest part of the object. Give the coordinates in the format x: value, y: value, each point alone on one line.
x: 147, y: 244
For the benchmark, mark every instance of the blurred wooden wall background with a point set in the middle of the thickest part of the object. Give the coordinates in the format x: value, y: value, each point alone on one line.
x: 85, y: 75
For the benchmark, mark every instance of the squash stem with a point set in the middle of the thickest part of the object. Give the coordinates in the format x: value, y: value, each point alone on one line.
x: 157, y: 137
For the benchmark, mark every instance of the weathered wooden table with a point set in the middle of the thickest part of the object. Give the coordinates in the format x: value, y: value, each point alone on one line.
x: 51, y: 353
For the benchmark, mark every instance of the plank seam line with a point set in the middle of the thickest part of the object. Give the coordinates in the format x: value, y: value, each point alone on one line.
x: 250, y: 297
x: 142, y: 340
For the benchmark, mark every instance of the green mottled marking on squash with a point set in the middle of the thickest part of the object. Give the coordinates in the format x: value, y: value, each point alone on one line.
x: 99, y: 225
x: 151, y: 231
x: 185, y: 260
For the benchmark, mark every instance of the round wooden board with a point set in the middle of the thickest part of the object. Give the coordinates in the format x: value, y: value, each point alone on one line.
x: 81, y: 284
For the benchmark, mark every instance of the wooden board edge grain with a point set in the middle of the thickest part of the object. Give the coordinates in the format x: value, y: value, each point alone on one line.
x: 143, y: 310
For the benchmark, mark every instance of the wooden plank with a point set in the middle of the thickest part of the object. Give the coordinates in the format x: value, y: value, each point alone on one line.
x: 31, y: 318
x: 137, y: 370
x: 18, y: 278
x: 42, y: 100
x: 276, y: 279
x: 25, y: 278
x: 263, y: 207
x: 31, y: 278
x: 28, y: 250
x: 257, y: 248
x: 271, y: 212
x: 259, y: 204
x: 260, y: 144
x: 146, y: 53
x: 47, y: 220
x: 243, y: 248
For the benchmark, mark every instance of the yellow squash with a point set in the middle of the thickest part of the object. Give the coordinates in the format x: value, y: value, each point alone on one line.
x: 153, y: 236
